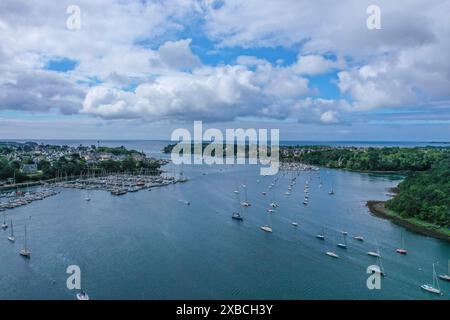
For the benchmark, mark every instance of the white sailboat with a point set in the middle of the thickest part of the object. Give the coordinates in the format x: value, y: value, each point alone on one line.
x: 321, y: 236
x: 343, y: 245
x: 4, y: 224
x: 267, y: 227
x: 25, y: 252
x: 375, y: 253
x: 237, y: 215
x: 331, y: 253
x: 245, y: 203
x: 82, y: 295
x: 434, y: 288
x: 11, y: 237
x: 446, y: 277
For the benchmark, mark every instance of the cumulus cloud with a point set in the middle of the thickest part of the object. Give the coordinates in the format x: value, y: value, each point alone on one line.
x: 208, y: 93
x: 132, y: 63
x: 316, y: 64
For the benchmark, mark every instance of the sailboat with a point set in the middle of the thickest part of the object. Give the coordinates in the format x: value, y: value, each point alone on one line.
x: 343, y: 245
x: 11, y: 237
x: 237, y: 214
x: 321, y: 236
x: 295, y: 223
x: 402, y: 250
x: 434, y: 288
x: 88, y: 198
x: 332, y: 254
x: 267, y: 227
x: 25, y: 252
x: 245, y: 203
x: 446, y: 277
x: 4, y: 224
x: 82, y: 295
x: 375, y: 253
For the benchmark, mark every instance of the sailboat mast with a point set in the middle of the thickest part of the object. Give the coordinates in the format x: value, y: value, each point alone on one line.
x: 25, y: 247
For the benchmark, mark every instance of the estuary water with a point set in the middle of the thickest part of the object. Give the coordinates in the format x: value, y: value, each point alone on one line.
x: 152, y: 245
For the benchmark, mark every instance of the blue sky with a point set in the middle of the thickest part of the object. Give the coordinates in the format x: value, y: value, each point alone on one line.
x: 139, y: 69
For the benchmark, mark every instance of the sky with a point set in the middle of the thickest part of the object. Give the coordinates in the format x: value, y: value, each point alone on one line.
x: 105, y: 69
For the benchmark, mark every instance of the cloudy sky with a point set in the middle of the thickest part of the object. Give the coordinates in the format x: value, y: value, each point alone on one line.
x: 139, y: 69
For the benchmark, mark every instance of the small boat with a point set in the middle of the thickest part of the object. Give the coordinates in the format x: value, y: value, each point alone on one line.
x: 87, y: 199
x: 434, y: 288
x: 359, y: 238
x: 344, y: 233
x: 321, y: 236
x: 263, y: 193
x: 331, y: 192
x: 274, y: 205
x: 446, y: 277
x: 245, y: 203
x: 266, y: 228
x: 25, y: 252
x: 11, y: 237
x: 82, y: 295
x: 237, y: 216
x: 331, y: 254
x: 305, y: 203
x: 343, y: 245
x: 295, y: 224
x: 270, y: 210
x: 402, y: 250
x: 373, y: 254
x: 4, y: 224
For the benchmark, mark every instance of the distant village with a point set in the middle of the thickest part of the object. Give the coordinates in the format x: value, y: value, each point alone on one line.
x: 27, y: 158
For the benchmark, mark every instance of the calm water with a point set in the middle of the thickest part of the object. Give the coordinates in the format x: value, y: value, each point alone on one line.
x: 151, y: 245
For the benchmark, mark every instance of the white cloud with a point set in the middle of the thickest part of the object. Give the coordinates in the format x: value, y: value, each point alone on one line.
x: 132, y: 64
x: 316, y: 64
x: 208, y: 93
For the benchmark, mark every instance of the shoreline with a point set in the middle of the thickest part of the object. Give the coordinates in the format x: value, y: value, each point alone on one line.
x: 378, y: 209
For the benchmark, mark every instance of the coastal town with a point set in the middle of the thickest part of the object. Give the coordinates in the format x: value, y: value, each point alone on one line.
x: 30, y: 162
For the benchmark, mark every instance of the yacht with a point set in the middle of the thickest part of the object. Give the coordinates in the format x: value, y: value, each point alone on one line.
x: 25, y: 252
x: 237, y: 216
x: 446, y: 277
x: 434, y: 288
x: 332, y: 254
x: 321, y: 236
x: 359, y: 238
x: 82, y: 295
x: 11, y: 237
x: 402, y: 250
